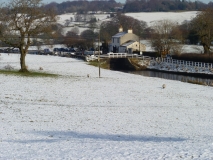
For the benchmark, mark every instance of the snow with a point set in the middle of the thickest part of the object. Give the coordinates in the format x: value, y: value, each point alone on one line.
x: 61, y: 19
x: 151, y: 17
x: 118, y: 116
x: 185, y: 48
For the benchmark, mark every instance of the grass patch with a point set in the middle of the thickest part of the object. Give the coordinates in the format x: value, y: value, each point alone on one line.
x: 135, y: 62
x: 29, y: 74
x: 104, y: 63
x: 196, y: 82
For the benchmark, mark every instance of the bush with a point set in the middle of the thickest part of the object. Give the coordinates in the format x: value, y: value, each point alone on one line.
x: 194, y: 57
x: 151, y: 54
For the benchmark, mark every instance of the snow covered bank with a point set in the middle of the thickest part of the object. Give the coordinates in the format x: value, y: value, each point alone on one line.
x: 197, y: 68
x: 118, y: 116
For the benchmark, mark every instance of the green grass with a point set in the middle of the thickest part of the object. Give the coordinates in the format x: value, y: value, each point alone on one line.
x: 104, y: 63
x: 27, y: 74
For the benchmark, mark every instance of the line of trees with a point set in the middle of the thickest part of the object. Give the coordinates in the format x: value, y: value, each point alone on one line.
x: 83, y: 41
x: 163, y: 5
x: 82, y: 7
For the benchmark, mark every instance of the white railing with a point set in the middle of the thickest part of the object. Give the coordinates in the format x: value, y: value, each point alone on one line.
x: 182, y: 62
x: 119, y: 55
x: 113, y: 55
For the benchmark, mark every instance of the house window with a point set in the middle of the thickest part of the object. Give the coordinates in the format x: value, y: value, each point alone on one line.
x: 118, y: 40
x: 113, y: 40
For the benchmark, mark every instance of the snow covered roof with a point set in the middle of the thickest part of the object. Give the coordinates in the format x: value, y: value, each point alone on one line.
x: 128, y: 43
x: 120, y: 34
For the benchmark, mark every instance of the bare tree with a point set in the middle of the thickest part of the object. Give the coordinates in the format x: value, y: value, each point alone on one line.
x: 92, y: 24
x: 57, y: 34
x: 67, y: 23
x: 22, y: 20
x: 89, y: 36
x: 75, y: 30
x: 165, y: 38
x: 203, y: 25
x: 110, y: 28
x: 78, y: 18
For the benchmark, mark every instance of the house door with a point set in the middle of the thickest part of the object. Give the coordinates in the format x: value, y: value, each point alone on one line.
x: 130, y: 50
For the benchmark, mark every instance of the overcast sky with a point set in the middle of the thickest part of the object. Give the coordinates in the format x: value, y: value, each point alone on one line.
x: 122, y: 1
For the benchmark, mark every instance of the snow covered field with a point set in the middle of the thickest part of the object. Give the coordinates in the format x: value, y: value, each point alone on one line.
x: 118, y: 116
x: 61, y: 19
x: 150, y: 17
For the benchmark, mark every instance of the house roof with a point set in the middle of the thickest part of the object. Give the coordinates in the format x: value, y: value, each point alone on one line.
x: 128, y: 43
x: 120, y: 34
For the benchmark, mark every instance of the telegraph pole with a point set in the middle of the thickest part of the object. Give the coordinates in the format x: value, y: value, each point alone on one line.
x: 139, y: 45
x: 99, y: 69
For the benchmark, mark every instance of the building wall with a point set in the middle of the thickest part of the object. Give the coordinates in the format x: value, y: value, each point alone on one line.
x: 122, y: 50
x: 136, y: 47
x: 128, y: 37
x: 116, y: 41
x: 133, y: 47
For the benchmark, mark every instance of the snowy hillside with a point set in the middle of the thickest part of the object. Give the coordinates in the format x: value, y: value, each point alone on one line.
x: 81, y: 26
x: 151, y: 17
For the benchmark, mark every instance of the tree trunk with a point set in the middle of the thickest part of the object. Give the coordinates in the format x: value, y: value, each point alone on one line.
x: 22, y: 62
x: 206, y: 49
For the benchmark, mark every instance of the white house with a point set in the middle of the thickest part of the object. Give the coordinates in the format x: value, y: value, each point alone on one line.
x: 126, y: 42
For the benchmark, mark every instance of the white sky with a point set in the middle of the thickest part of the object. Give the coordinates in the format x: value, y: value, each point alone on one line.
x: 122, y: 1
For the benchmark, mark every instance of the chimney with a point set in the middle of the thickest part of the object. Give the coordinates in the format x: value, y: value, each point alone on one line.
x: 120, y: 29
x: 130, y: 30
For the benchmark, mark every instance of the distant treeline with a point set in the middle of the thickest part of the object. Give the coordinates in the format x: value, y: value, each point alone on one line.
x: 129, y: 6
x: 164, y: 5
x: 85, y: 6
